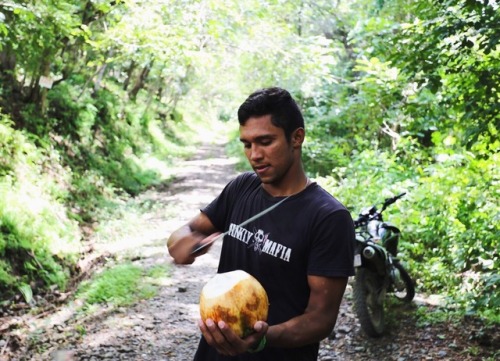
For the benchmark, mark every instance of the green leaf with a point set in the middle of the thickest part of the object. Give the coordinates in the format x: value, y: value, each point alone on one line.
x: 27, y: 292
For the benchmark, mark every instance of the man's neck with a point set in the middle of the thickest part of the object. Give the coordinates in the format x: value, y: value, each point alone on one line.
x: 282, y: 190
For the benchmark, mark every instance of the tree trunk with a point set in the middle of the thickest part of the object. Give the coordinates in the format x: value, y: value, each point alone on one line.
x: 130, y: 71
x: 100, y: 76
x: 7, y: 67
x: 141, y: 81
x: 43, y: 91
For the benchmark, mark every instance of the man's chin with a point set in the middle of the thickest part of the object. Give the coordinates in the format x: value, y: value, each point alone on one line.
x: 266, y: 179
x: 263, y: 178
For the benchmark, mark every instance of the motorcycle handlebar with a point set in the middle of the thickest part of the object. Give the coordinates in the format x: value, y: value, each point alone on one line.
x: 373, y: 210
x: 390, y: 201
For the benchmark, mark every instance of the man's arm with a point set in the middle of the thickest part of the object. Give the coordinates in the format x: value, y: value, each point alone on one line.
x: 319, y: 318
x: 181, y: 242
x: 315, y: 324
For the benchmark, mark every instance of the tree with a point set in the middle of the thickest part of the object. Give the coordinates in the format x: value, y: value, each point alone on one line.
x: 451, y: 49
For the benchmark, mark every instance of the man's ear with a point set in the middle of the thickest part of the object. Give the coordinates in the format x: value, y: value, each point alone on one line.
x: 298, y: 136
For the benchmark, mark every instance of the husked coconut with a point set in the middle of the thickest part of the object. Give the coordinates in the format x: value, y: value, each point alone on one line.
x: 236, y: 298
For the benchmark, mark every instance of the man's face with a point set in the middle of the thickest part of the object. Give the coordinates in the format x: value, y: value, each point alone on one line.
x: 267, y: 149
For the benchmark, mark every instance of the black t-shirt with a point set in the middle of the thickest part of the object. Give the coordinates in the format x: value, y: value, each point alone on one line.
x: 311, y: 233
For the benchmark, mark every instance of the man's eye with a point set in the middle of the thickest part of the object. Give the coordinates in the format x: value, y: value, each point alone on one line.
x: 246, y: 145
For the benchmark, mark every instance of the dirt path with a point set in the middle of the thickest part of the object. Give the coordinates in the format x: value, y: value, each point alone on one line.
x: 163, y: 328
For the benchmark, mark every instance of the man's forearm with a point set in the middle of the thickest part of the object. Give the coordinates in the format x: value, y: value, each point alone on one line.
x: 302, y: 330
x: 318, y: 319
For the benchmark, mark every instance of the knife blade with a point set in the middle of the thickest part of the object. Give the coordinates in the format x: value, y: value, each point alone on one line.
x: 198, y: 247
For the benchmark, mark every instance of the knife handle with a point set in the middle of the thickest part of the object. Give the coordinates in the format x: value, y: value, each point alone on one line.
x: 198, y: 247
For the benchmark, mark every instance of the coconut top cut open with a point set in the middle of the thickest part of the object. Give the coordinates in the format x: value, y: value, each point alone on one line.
x: 223, y: 282
x: 236, y: 298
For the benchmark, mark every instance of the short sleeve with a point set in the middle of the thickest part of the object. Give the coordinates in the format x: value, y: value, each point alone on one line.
x: 332, y: 246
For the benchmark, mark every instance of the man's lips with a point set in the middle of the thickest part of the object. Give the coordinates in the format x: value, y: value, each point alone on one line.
x: 261, y: 168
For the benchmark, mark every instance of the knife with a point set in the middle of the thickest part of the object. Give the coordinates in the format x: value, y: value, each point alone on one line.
x: 197, y: 248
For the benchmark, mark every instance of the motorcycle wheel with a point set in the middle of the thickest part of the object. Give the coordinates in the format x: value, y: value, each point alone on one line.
x: 408, y: 292
x: 368, y: 303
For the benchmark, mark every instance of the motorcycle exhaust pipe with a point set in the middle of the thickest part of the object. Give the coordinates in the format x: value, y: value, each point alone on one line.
x: 368, y: 252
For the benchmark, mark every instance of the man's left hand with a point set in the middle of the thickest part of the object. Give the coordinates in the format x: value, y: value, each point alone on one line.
x: 226, y: 342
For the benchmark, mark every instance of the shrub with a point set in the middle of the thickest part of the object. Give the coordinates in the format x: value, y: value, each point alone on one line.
x: 449, y: 218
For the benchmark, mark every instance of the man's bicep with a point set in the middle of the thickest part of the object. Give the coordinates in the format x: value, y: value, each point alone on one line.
x: 324, y: 302
x: 326, y: 293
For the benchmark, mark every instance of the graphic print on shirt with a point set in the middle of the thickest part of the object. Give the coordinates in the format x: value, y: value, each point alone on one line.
x: 260, y: 242
x: 259, y: 239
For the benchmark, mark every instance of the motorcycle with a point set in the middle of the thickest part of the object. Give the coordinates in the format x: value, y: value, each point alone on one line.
x: 378, y: 270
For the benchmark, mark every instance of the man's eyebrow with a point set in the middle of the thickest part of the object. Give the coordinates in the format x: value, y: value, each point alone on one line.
x: 260, y: 138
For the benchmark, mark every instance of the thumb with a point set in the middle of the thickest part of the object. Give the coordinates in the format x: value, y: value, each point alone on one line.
x: 261, y: 327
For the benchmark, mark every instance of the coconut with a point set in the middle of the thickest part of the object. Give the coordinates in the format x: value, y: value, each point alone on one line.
x: 236, y: 298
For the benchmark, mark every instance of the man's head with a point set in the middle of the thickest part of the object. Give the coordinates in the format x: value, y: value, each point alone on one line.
x: 276, y: 102
x: 272, y: 134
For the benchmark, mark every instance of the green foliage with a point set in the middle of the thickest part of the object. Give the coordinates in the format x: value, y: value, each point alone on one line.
x: 7, y: 280
x: 15, y: 149
x: 37, y: 240
x: 112, y: 147
x: 416, y: 110
x: 27, y: 292
x: 121, y: 285
x: 89, y: 146
x: 71, y: 114
x: 456, y: 230
x: 449, y: 218
x: 455, y: 54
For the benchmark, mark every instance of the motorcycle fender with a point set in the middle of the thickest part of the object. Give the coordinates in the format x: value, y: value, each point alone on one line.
x: 391, y: 227
x: 357, y: 260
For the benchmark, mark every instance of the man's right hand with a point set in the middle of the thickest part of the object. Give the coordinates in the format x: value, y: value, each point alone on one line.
x: 183, y: 241
x: 205, y: 244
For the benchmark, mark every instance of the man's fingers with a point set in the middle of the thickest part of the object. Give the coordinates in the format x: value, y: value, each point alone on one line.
x: 221, y: 337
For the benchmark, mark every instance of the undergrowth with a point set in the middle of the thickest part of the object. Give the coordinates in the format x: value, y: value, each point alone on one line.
x: 122, y: 285
x: 73, y: 170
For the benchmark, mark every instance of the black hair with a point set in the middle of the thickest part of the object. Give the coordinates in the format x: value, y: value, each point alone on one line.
x: 277, y: 102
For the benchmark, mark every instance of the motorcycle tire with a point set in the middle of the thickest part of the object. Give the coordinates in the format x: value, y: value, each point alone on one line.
x: 408, y: 293
x: 368, y: 303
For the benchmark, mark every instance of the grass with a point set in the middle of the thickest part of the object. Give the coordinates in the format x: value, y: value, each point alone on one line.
x: 122, y: 285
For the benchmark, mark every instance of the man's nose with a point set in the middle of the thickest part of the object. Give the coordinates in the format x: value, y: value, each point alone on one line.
x: 255, y: 152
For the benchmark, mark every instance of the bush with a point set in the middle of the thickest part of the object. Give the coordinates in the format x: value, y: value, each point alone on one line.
x: 38, y: 242
x: 449, y: 218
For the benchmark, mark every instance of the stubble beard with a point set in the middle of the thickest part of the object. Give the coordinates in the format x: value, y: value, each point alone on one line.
x: 277, y: 177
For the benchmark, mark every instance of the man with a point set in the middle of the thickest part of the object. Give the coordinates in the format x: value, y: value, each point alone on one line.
x: 301, y: 251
